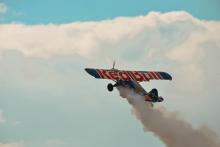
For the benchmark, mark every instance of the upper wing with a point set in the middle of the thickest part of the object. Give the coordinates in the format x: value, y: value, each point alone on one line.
x: 128, y: 75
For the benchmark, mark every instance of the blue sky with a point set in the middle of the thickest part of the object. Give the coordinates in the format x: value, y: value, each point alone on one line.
x: 63, y: 11
x: 48, y: 100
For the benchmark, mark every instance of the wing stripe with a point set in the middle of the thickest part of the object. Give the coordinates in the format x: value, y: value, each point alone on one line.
x: 148, y: 73
x: 100, y: 73
x: 152, y: 74
x: 130, y: 75
x: 155, y: 75
x: 146, y: 76
x: 158, y: 75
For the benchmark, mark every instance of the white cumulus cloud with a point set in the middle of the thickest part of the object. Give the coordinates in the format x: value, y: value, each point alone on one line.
x: 19, y: 144
x: 188, y: 45
x: 88, y: 38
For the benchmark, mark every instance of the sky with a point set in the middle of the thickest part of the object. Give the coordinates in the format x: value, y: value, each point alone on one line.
x: 65, y: 11
x: 48, y: 100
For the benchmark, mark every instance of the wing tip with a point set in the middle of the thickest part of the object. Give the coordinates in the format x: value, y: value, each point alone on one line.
x: 169, y: 77
x: 92, y: 72
x: 166, y: 76
x: 87, y: 70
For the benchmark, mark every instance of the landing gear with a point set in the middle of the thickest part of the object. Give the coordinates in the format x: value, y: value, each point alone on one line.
x: 110, y: 87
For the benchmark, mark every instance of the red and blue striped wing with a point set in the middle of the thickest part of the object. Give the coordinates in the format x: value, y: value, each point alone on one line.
x: 128, y: 75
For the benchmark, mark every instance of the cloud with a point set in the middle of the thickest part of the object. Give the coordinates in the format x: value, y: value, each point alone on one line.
x: 3, y: 8
x: 89, y: 38
x: 176, y: 40
x: 2, y: 118
x: 54, y: 143
x: 47, y: 60
x: 19, y: 144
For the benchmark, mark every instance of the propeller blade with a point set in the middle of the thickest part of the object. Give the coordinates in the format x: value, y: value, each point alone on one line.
x: 114, y: 64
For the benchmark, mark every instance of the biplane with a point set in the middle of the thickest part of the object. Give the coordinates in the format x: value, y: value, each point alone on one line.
x: 131, y: 79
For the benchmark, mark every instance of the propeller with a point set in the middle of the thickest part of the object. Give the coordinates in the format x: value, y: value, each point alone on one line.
x: 113, y: 65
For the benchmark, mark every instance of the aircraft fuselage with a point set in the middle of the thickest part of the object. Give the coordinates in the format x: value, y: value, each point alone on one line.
x: 152, y: 96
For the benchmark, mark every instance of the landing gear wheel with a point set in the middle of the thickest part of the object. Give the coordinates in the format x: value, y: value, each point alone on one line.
x: 110, y: 87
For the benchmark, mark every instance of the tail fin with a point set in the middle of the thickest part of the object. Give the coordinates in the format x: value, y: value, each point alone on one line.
x: 154, y: 92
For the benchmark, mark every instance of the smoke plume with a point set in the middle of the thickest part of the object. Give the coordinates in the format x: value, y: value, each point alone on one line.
x: 172, y: 130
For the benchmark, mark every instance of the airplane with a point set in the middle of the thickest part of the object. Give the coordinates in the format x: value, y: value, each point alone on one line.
x: 131, y: 79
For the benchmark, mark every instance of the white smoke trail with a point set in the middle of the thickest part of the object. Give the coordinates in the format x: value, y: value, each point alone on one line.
x: 172, y: 130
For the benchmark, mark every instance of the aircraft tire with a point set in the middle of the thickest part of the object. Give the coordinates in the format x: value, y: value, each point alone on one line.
x: 110, y: 87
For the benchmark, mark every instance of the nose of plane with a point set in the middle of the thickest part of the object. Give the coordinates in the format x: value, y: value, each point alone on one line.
x: 87, y: 70
x: 92, y: 72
